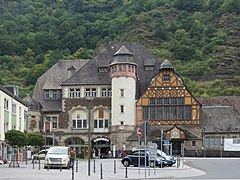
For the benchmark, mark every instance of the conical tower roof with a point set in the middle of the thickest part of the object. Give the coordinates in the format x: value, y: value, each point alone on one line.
x: 123, y: 55
x: 166, y: 65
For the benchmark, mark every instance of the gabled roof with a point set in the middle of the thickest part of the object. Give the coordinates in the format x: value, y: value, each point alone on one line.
x: 33, y: 104
x: 220, y: 119
x: 89, y: 74
x: 9, y: 93
x: 52, y: 79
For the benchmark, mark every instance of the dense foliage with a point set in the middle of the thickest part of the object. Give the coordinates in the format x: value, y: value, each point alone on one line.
x: 200, y: 37
x: 35, y: 139
x: 16, y: 138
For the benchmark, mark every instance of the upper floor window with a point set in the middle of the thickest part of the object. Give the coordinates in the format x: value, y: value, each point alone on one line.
x: 51, y: 120
x: 52, y: 94
x: 102, y: 69
x: 14, y: 108
x: 54, y: 122
x: 166, y: 77
x: 6, y: 103
x: 149, y: 68
x: 121, y: 108
x: 100, y: 123
x: 122, y: 92
x: 90, y: 92
x: 74, y: 93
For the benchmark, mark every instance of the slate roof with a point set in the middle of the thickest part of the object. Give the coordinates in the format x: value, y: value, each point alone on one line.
x: 232, y: 101
x: 123, y: 55
x: 89, y: 74
x: 9, y: 93
x: 220, y: 119
x: 32, y: 103
x: 166, y: 65
x: 52, y: 79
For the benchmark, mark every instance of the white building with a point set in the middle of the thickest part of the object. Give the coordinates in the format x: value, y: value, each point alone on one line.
x: 13, y: 115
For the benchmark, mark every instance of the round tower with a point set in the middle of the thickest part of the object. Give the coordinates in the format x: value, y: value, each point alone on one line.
x: 123, y: 74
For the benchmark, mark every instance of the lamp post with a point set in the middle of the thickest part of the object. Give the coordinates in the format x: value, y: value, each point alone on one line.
x: 89, y: 98
x: 26, y: 132
x: 45, y: 134
x: 72, y: 136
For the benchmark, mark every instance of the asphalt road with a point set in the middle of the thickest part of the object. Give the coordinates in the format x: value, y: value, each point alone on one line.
x: 220, y: 168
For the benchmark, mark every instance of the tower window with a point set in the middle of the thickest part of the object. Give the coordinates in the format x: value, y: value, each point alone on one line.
x: 122, y: 92
x: 121, y: 108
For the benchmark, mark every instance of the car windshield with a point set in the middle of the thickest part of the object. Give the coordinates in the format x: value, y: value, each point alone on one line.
x: 58, y: 151
x: 161, y: 153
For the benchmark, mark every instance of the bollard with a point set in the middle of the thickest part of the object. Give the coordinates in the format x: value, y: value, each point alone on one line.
x: 33, y: 162
x: 60, y: 165
x: 114, y: 169
x: 76, y: 165
x: 94, y: 166
x: 39, y: 164
x: 101, y: 171
x: 72, y: 169
x: 126, y: 176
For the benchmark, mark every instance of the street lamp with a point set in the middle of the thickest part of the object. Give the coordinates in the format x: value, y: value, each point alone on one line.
x: 26, y: 132
x: 89, y: 98
x: 72, y: 136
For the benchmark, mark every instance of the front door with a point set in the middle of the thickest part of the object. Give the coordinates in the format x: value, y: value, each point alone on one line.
x: 176, y: 147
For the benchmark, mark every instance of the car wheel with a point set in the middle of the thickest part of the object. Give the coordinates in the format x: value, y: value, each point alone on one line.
x: 126, y: 163
x: 170, y: 165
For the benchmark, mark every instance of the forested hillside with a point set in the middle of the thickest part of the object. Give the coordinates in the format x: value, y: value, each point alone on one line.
x: 200, y: 37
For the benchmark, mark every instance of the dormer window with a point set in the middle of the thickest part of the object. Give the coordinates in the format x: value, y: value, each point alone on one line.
x: 149, y: 68
x: 103, y: 69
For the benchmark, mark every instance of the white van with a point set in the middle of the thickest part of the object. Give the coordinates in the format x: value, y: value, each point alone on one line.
x: 57, y: 156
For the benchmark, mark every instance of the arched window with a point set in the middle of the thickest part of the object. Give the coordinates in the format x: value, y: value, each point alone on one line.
x: 79, y: 119
x: 101, y: 119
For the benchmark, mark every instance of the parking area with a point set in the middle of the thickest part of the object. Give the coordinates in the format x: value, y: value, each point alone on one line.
x: 111, y: 169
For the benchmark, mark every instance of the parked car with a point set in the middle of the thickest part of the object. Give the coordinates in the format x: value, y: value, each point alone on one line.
x: 169, y: 160
x: 133, y: 159
x: 57, y: 157
x: 40, y: 155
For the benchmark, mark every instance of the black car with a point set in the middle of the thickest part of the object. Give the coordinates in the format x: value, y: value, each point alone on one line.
x: 132, y: 159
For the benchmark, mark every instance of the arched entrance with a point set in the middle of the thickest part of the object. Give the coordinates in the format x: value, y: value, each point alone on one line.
x: 77, y: 143
x: 101, y: 147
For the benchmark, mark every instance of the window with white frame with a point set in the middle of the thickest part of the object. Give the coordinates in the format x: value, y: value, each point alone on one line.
x: 90, y: 92
x: 6, y: 102
x: 193, y: 144
x: 54, y: 122
x: 14, y: 108
x: 122, y: 92
x: 52, y: 94
x: 79, y: 122
x: 101, y: 119
x: 100, y: 123
x: 122, y: 108
x: 74, y: 93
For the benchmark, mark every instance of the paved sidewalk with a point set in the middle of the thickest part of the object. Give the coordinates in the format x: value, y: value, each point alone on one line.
x: 26, y: 172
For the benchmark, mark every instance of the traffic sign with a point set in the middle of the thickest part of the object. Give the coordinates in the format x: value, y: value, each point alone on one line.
x: 139, y: 133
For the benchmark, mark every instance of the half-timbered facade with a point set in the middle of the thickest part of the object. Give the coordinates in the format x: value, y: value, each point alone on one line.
x: 168, y: 106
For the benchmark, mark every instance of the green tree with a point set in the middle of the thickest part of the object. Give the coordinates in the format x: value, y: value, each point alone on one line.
x: 35, y: 139
x: 16, y: 138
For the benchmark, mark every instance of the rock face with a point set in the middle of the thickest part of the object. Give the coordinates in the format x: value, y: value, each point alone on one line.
x: 227, y: 58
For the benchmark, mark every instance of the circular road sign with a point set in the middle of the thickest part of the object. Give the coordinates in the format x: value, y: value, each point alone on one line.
x: 139, y: 133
